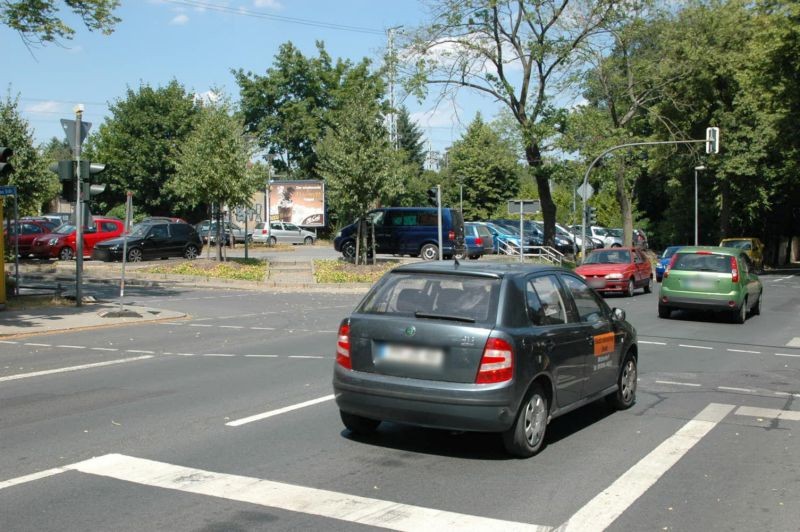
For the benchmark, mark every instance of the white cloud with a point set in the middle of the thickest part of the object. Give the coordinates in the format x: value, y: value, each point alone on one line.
x: 179, y: 20
x: 44, y: 107
x: 206, y: 97
x: 269, y: 4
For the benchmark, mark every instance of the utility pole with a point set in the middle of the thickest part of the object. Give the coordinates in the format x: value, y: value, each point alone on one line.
x: 392, y: 64
x: 78, y: 209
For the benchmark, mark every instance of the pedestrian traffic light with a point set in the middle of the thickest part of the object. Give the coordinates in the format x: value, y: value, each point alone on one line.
x: 433, y: 196
x: 5, y: 166
x: 591, y: 215
x: 712, y: 140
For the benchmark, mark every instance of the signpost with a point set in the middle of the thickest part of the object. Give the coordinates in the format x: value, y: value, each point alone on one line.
x: 7, y: 191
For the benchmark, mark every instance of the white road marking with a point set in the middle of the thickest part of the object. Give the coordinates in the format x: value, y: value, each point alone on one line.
x: 730, y: 389
x: 786, y: 355
x: 679, y: 383
x: 199, y: 325
x: 263, y: 328
x: 654, y: 343
x: 218, y: 355
x: 744, y: 351
x: 71, y: 368
x: 305, y: 356
x: 72, y: 346
x: 695, y: 346
x: 265, y: 415
x: 104, y: 349
x: 231, y: 327
x: 185, y: 354
x: 770, y: 413
x: 139, y: 351
x: 291, y: 497
x: 8, y: 342
x: 261, y: 356
x: 787, y: 394
x: 608, y: 505
x: 31, y: 477
x: 37, y: 345
x: 794, y: 342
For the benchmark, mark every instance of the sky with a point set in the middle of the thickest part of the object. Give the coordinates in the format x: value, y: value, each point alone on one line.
x: 198, y: 45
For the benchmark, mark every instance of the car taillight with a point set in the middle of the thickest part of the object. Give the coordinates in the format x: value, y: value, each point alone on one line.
x: 451, y: 235
x: 263, y: 231
x: 343, y: 347
x: 497, y: 362
x: 479, y: 241
x: 734, y: 270
x: 669, y: 266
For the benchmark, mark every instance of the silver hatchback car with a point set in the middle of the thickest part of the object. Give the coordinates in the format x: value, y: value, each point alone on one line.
x: 282, y: 232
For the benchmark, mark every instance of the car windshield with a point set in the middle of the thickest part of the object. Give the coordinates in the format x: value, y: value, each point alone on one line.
x: 702, y: 262
x: 434, y: 296
x: 611, y: 256
x: 739, y: 244
x: 64, y: 229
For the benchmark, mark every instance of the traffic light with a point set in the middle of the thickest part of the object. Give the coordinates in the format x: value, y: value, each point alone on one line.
x: 5, y: 166
x: 712, y: 140
x: 433, y: 196
x: 66, y: 174
x: 591, y: 215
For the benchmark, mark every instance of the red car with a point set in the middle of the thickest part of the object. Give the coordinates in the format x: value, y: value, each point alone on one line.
x: 60, y: 243
x: 26, y: 232
x: 617, y: 270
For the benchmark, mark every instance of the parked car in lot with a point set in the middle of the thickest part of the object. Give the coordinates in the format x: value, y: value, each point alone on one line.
x: 711, y: 278
x: 61, y: 242
x: 503, y: 240
x: 282, y: 232
x: 231, y: 233
x: 481, y: 347
x: 58, y: 218
x: 752, y: 246
x: 663, y: 261
x: 152, y: 240
x: 617, y: 270
x: 408, y: 231
x: 23, y: 234
x: 478, y: 239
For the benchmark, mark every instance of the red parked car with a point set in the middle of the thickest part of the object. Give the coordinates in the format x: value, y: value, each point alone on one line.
x: 617, y: 270
x: 26, y: 232
x: 60, y: 243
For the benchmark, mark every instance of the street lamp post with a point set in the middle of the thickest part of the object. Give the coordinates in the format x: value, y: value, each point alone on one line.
x: 696, y: 169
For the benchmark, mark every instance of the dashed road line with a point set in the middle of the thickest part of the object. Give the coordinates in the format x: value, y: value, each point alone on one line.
x: 231, y: 327
x: 261, y: 356
x: 199, y: 325
x: 787, y: 355
x: 652, y: 343
x: 72, y: 346
x: 37, y: 345
x: 679, y: 383
x: 271, y: 413
x: 140, y: 351
x: 8, y: 342
x: 770, y: 413
x: 71, y: 368
x: 305, y: 356
x: 732, y: 389
x: 744, y: 351
x: 103, y: 349
x: 218, y: 355
x: 695, y: 346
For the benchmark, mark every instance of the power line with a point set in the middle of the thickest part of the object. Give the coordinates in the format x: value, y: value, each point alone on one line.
x: 278, y: 18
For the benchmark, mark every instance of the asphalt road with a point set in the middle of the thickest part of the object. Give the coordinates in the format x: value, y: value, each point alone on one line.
x: 225, y: 421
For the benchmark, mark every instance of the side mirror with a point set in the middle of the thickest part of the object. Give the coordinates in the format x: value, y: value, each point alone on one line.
x: 618, y: 314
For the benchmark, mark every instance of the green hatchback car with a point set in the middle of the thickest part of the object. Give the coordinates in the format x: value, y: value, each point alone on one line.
x: 713, y: 279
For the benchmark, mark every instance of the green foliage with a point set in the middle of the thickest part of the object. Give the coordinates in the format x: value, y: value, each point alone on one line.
x: 409, y: 139
x: 35, y: 184
x: 235, y: 268
x: 336, y: 271
x: 119, y: 212
x: 37, y: 21
x: 139, y: 144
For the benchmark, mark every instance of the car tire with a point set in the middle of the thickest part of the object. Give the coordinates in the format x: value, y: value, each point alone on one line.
x: 631, y: 288
x: 658, y: 279
x: 756, y: 310
x: 358, y: 424
x: 349, y: 249
x: 740, y: 315
x: 429, y: 252
x: 526, y: 436
x: 135, y: 255
x: 191, y: 252
x: 308, y: 241
x: 648, y: 286
x: 460, y: 255
x: 475, y: 257
x: 625, y: 395
x: 664, y: 312
x: 65, y: 253
x: 616, y: 245
x: 271, y: 241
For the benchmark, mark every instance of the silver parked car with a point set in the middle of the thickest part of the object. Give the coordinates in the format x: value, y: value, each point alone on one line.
x: 283, y: 232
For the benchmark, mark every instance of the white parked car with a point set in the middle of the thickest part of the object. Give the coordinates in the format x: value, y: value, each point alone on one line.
x: 283, y: 232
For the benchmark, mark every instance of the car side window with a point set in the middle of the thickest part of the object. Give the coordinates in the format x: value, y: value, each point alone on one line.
x: 544, y: 302
x: 589, y: 309
x: 159, y: 231
x: 276, y: 226
x: 108, y: 227
x: 291, y: 227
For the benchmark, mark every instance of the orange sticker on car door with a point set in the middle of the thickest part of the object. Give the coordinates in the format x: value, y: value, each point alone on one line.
x: 603, y: 344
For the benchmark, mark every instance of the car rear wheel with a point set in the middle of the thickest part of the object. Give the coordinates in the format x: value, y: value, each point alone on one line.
x: 65, y: 254
x: 756, y: 310
x: 631, y: 288
x: 625, y: 395
x: 349, y: 249
x: 191, y: 252
x: 526, y: 437
x: 740, y: 315
x: 429, y: 252
x: 358, y: 424
x: 135, y: 255
x: 460, y: 255
x: 271, y: 241
x: 664, y: 312
x: 308, y: 241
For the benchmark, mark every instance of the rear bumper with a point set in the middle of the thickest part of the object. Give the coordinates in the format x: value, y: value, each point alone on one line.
x: 442, y: 405
x: 712, y: 302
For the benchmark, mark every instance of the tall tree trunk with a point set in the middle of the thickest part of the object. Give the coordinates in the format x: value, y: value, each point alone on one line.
x: 534, y: 158
x: 624, y: 206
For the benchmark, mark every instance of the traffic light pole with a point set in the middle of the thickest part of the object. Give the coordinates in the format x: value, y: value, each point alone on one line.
x: 78, y: 211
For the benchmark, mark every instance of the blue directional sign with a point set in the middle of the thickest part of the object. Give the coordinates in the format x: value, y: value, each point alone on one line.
x: 8, y: 190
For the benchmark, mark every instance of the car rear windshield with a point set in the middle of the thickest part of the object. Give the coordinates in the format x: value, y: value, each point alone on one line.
x: 611, y: 256
x: 708, y: 262
x: 424, y: 295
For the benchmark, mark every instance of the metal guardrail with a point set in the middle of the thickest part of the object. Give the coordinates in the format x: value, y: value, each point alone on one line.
x: 547, y: 253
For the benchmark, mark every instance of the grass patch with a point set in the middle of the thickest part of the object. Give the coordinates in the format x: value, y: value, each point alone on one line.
x: 33, y: 302
x: 234, y: 268
x: 337, y: 271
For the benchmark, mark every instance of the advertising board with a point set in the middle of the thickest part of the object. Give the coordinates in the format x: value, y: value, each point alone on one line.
x: 299, y: 202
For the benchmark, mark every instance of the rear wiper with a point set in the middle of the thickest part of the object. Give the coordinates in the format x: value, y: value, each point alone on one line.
x: 465, y: 319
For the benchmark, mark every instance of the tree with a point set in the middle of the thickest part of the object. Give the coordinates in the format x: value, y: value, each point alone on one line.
x: 139, y: 143
x: 37, y: 21
x: 35, y: 183
x: 515, y: 52
x: 486, y: 168
x: 213, y: 163
x: 409, y: 138
x: 287, y: 109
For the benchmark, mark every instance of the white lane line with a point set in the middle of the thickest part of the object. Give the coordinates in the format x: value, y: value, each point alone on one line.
x: 261, y: 356
x: 37, y: 345
x: 265, y: 415
x: 217, y: 355
x: 770, y: 413
x: 231, y: 327
x: 139, y: 351
x: 291, y: 497
x: 71, y: 368
x: 608, y: 505
x: 305, y: 356
x: 8, y: 342
x: 72, y: 346
x: 695, y: 346
x: 653, y: 343
x: 263, y: 328
x: 104, y: 349
x: 731, y: 389
x: 185, y: 354
x: 199, y: 325
x: 679, y: 383
x: 786, y: 355
x: 31, y: 477
x: 744, y: 351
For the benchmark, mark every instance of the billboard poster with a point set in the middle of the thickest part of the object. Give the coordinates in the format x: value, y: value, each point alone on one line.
x: 299, y: 202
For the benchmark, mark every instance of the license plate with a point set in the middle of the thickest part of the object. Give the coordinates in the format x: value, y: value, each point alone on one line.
x: 698, y: 284
x: 405, y: 355
x: 596, y: 282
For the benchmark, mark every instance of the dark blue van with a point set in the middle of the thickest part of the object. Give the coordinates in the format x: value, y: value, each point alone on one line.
x: 408, y: 231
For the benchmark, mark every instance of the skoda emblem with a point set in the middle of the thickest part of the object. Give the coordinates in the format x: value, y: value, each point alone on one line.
x: 411, y: 330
